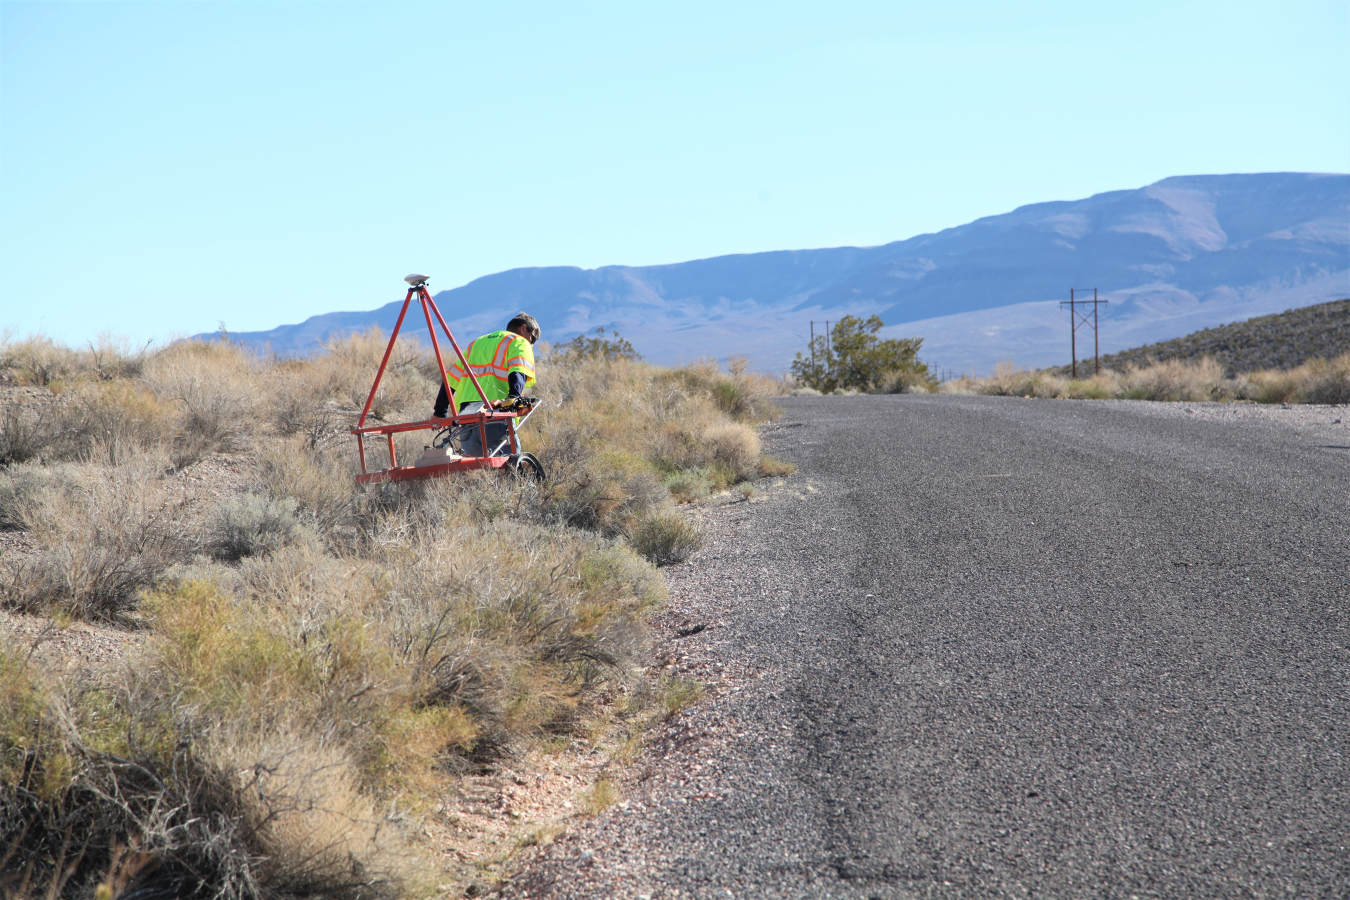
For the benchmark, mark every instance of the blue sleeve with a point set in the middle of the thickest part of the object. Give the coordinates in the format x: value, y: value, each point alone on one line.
x: 516, y: 382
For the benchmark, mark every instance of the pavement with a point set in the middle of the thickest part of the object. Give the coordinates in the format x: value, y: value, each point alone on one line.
x: 997, y: 647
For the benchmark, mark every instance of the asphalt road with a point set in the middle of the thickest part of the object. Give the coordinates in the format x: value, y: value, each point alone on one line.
x: 1019, y: 648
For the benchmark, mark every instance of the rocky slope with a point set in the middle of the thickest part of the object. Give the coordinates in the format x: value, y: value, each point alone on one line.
x: 1280, y: 341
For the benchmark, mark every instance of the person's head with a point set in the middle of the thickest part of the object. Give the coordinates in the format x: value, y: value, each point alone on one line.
x: 524, y: 325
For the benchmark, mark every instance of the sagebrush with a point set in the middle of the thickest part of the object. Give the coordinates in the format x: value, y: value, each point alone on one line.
x: 318, y: 655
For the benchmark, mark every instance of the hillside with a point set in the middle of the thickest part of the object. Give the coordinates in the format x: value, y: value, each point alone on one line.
x: 1184, y: 253
x: 1281, y: 341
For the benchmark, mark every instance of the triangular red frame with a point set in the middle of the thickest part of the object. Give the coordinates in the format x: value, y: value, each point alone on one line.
x: 400, y: 473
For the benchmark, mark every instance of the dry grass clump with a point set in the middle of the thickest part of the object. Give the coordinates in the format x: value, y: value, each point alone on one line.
x: 1008, y: 381
x: 628, y: 436
x: 84, y: 421
x: 1203, y: 379
x: 667, y: 538
x: 905, y: 383
x: 25, y: 431
x: 105, y: 538
x: 318, y: 481
x: 1326, y: 381
x: 211, y: 385
x: 734, y: 448
x: 284, y: 703
x: 1316, y: 381
x: 773, y: 467
x: 410, y: 378
x: 744, y: 395
x: 27, y: 490
x: 1174, y: 380
x: 250, y: 525
x: 195, y: 398
x: 690, y: 485
x: 38, y: 360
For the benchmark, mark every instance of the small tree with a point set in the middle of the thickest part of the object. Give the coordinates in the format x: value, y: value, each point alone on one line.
x: 600, y: 347
x: 854, y: 357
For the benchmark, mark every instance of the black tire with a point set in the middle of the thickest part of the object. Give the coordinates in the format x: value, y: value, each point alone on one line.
x: 525, y: 466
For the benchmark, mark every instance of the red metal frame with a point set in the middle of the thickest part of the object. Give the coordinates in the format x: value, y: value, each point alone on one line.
x: 395, y: 472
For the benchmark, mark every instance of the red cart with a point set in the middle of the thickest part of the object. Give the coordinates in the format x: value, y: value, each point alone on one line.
x: 440, y: 457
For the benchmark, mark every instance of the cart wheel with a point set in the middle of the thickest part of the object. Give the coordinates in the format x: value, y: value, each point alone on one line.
x: 526, y: 467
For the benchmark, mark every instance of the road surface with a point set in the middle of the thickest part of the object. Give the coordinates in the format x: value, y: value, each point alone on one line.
x: 1011, y: 648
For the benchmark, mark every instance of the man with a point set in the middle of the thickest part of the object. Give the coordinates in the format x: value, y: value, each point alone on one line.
x: 503, y: 362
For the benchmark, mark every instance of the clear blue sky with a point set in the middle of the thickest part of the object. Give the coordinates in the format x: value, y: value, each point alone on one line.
x: 166, y: 166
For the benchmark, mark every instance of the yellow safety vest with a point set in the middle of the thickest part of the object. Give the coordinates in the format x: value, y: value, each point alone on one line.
x: 492, y: 358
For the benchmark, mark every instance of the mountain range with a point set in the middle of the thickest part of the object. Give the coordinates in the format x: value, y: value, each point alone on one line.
x: 1184, y: 253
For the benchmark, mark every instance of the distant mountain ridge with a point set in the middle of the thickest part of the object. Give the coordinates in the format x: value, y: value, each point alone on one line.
x: 1184, y: 253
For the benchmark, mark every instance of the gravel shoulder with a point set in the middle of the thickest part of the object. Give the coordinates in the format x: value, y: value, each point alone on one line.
x: 989, y: 647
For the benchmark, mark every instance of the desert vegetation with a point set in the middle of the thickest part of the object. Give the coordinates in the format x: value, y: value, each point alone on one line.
x: 1203, y: 379
x: 314, y: 664
x: 1283, y: 341
x: 1298, y: 356
x: 853, y: 358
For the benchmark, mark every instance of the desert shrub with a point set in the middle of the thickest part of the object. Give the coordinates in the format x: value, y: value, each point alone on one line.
x: 1009, y: 381
x: 41, y: 361
x: 772, y: 467
x: 689, y: 485
x: 104, y: 420
x: 290, y: 688
x: 1327, y: 381
x: 1203, y: 379
x: 1176, y: 380
x: 1271, y: 386
x: 110, y: 357
x: 104, y: 543
x: 319, y: 482
x: 27, y: 488
x: 210, y: 383
x: 409, y: 381
x: 667, y: 538
x: 249, y: 525
x: 204, y: 761
x: 299, y: 397
x: 622, y: 428
x: 523, y: 642
x: 904, y: 382
x: 26, y: 431
x: 1315, y: 381
x: 404, y: 393
x: 739, y: 393
x: 603, y: 493
x: 518, y: 644
x: 299, y: 413
x: 734, y: 447
x: 674, y: 445
x: 1103, y: 386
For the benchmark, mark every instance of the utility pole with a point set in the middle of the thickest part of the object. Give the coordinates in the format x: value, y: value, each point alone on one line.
x: 813, y: 345
x: 1079, y: 319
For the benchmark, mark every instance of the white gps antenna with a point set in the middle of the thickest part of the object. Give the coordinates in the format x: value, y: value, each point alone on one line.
x: 417, y: 280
